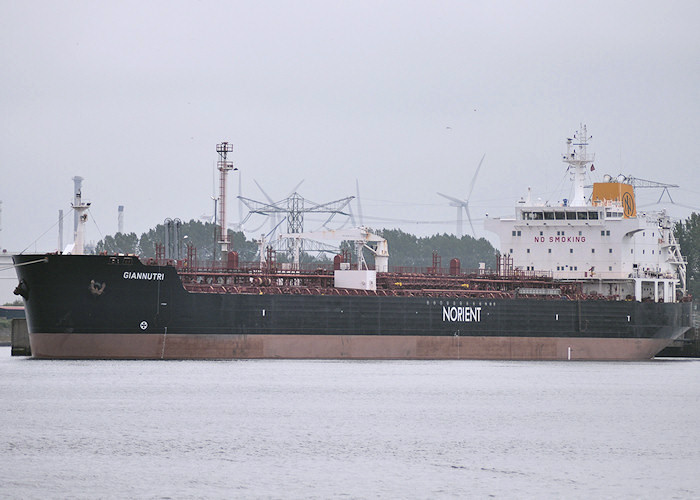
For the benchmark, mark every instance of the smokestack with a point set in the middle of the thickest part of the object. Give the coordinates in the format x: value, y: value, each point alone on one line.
x: 77, y: 186
x: 120, y: 219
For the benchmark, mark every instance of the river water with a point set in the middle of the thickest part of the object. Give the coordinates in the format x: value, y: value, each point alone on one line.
x: 349, y: 429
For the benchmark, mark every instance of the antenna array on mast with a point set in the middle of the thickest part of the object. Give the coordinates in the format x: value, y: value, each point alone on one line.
x: 578, y: 159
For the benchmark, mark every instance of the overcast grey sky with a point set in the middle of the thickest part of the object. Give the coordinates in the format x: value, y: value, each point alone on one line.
x: 404, y: 96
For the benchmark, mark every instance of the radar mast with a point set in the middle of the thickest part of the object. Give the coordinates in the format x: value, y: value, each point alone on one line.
x: 577, y: 158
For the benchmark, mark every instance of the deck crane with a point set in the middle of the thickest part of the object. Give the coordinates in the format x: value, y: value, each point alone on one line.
x: 361, y: 236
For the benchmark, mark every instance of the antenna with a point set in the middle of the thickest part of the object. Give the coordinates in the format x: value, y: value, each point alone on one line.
x: 577, y: 158
x: 77, y: 188
x: 224, y: 167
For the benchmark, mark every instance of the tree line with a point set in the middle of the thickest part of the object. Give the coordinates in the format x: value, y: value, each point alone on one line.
x: 405, y: 250
x: 687, y: 234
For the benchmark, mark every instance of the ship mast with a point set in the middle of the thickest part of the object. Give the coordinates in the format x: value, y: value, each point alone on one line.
x: 577, y: 158
x: 80, y: 207
x: 224, y: 166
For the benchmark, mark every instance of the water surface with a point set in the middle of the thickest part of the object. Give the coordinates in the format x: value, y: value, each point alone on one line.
x: 349, y: 429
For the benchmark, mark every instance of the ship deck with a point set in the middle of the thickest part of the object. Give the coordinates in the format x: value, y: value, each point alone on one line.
x: 254, y: 279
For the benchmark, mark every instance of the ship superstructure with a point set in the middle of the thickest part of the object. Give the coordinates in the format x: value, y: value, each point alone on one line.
x: 599, y: 241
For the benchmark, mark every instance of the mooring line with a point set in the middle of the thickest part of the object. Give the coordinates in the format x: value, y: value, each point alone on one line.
x: 25, y: 264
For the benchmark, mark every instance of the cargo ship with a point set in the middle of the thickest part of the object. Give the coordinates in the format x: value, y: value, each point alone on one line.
x: 585, y: 279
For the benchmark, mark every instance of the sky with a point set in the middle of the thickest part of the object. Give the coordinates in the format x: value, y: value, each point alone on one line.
x: 401, y: 98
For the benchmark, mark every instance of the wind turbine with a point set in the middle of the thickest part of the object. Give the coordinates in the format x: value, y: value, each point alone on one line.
x: 274, y: 221
x: 456, y: 202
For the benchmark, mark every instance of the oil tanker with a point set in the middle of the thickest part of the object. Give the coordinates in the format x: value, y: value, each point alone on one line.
x: 585, y: 279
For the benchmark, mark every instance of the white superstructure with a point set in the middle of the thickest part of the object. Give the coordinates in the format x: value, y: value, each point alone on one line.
x: 600, y: 240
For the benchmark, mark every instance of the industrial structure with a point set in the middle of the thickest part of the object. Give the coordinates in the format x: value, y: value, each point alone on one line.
x: 224, y: 166
x: 77, y: 189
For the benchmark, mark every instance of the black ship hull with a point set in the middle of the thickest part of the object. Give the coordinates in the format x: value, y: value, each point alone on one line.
x: 109, y: 307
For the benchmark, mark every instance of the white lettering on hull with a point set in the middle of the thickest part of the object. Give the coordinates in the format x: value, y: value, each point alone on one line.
x: 461, y: 313
x: 130, y: 275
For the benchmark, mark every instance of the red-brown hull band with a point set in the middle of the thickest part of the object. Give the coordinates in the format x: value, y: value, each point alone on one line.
x: 176, y: 346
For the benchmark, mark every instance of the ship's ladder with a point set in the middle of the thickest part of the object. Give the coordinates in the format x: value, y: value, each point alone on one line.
x: 677, y: 259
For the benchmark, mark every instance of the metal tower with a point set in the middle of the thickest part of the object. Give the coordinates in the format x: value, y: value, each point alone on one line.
x: 77, y: 188
x: 294, y: 209
x: 80, y: 208
x: 224, y: 167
